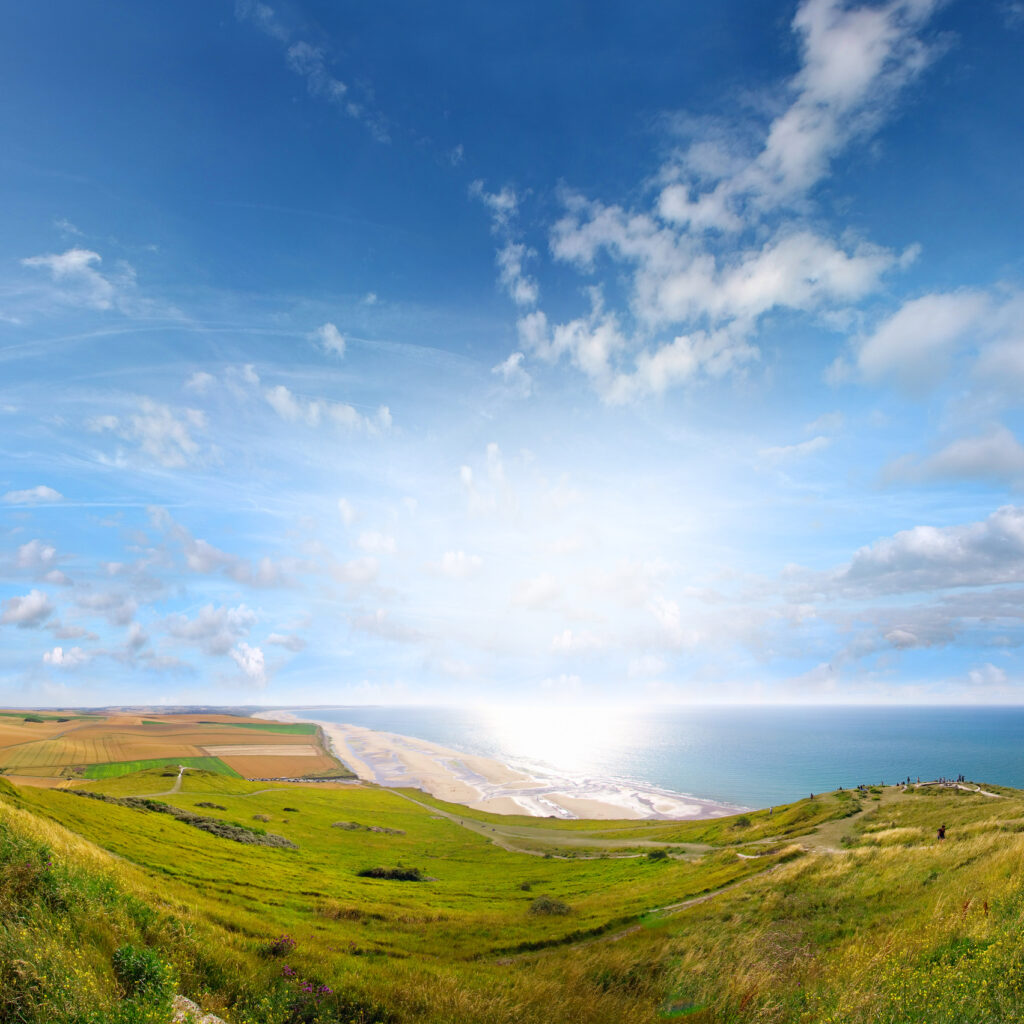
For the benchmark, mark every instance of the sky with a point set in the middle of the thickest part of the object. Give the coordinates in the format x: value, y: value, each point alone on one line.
x: 546, y: 353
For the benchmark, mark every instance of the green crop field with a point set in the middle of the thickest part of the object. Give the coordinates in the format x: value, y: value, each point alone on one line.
x: 297, y: 728
x: 115, y: 769
x: 835, y: 910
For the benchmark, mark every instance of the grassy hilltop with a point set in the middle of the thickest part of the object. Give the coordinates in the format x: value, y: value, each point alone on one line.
x: 384, y: 907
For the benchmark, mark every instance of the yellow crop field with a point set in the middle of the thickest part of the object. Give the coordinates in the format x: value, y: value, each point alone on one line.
x: 43, y: 749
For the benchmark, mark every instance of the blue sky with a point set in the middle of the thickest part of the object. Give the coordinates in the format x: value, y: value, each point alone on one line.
x: 607, y: 353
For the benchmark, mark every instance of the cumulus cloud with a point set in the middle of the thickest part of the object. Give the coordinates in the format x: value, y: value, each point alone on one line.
x: 289, y: 641
x: 517, y: 379
x: 316, y: 411
x: 569, y: 642
x: 27, y: 612
x: 61, y: 658
x: 457, y: 565
x: 214, y: 629
x: 32, y: 496
x: 40, y: 560
x: 78, y: 279
x: 117, y: 607
x: 699, y: 284
x: 996, y: 456
x: 346, y: 511
x: 512, y: 254
x: 913, y: 346
x: 250, y: 660
x: 204, y: 558
x: 928, y: 557
x: 538, y: 592
x: 160, y: 433
x: 330, y: 340
x: 200, y: 382
x: 376, y: 543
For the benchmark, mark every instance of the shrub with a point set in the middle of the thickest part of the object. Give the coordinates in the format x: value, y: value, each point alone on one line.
x: 34, y: 718
x: 549, y: 907
x: 206, y: 803
x: 294, y: 810
x: 657, y: 855
x: 398, y: 874
x: 141, y: 973
x: 281, y: 946
x: 742, y: 822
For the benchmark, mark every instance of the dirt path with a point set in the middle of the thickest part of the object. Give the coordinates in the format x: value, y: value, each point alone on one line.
x: 176, y: 788
x: 505, y: 836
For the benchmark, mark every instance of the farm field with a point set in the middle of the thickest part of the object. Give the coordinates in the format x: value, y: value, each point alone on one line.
x: 76, y: 746
x: 865, y: 917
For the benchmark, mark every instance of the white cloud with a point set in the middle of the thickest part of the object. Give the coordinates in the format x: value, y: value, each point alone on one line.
x: 160, y: 432
x: 330, y: 340
x: 512, y: 254
x: 202, y: 557
x: 214, y: 630
x: 646, y: 665
x: 914, y: 345
x: 457, y: 565
x: 316, y: 411
x: 538, y: 592
x: 117, y: 608
x: 375, y: 543
x: 310, y: 62
x: 289, y: 641
x: 79, y: 281
x: 250, y: 660
x: 997, y: 456
x: 346, y: 511
x: 929, y: 557
x: 200, y: 382
x: 40, y: 560
x: 800, y: 450
x: 568, y: 642
x: 517, y: 379
x: 32, y: 496
x: 60, y: 658
x: 27, y: 612
x: 689, y: 261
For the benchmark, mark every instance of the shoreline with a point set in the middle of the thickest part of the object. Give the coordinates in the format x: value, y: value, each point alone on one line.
x: 485, y: 784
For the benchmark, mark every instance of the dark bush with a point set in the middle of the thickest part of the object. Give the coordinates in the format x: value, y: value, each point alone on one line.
x: 657, y: 855
x: 394, y: 874
x: 281, y: 946
x: 140, y: 972
x: 549, y: 907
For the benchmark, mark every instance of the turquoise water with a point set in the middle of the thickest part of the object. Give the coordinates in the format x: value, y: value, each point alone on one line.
x: 750, y: 757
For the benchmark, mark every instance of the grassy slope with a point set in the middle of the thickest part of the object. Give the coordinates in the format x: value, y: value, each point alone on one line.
x: 896, y: 927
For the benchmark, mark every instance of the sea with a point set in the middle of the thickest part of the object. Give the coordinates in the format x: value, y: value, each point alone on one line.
x: 745, y: 757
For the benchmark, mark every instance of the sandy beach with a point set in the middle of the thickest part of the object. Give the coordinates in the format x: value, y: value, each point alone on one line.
x: 482, y: 783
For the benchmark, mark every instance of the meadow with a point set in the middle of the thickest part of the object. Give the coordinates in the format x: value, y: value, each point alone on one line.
x: 845, y: 908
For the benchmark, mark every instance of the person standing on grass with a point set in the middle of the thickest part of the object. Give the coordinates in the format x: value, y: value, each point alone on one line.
x: 942, y: 832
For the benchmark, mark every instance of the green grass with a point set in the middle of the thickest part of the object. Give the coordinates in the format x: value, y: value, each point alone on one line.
x: 297, y: 728
x: 115, y: 769
x: 894, y: 927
